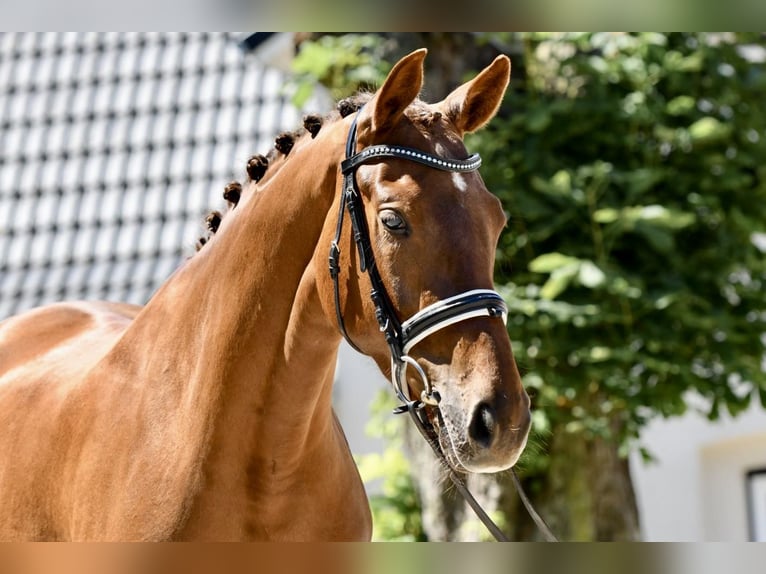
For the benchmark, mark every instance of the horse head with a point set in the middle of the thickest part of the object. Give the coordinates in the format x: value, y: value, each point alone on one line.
x: 433, y: 232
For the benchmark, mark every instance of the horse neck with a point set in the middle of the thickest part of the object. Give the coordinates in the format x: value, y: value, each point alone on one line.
x: 239, y: 331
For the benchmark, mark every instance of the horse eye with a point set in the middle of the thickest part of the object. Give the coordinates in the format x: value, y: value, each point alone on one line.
x: 393, y: 221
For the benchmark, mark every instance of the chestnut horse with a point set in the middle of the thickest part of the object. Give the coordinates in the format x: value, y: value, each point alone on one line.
x: 206, y: 414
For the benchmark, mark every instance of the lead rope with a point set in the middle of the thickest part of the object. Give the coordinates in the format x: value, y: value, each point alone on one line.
x: 538, y: 520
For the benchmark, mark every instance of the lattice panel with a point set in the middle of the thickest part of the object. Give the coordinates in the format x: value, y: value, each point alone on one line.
x: 112, y: 148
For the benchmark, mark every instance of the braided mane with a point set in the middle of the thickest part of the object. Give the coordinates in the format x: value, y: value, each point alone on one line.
x: 260, y: 168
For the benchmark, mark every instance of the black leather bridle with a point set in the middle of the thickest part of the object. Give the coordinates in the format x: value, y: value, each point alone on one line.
x: 402, y: 336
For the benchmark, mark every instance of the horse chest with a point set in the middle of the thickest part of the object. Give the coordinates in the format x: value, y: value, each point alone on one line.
x: 313, y: 501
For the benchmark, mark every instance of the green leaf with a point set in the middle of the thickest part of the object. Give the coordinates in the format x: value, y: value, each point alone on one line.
x: 606, y: 215
x: 559, y: 280
x: 313, y: 58
x: 675, y: 61
x: 641, y: 180
x: 550, y: 262
x: 680, y: 105
x: 562, y: 182
x: 708, y: 130
x: 659, y: 238
x: 655, y: 215
x: 661, y: 216
x: 590, y: 275
x: 665, y: 301
x: 599, y: 354
x: 670, y: 218
x: 646, y: 455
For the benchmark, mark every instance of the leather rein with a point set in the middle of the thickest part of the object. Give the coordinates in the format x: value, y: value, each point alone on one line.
x: 402, y: 336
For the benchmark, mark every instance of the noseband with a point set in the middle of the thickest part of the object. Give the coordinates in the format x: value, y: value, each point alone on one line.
x: 401, y: 337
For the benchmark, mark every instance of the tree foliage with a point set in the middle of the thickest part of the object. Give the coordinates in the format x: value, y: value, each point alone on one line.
x: 342, y: 63
x: 633, y: 168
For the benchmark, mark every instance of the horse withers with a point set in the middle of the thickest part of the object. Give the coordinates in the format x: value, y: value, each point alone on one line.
x: 206, y: 414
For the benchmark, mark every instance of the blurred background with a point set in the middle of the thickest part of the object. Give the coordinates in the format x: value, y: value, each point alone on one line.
x: 633, y: 170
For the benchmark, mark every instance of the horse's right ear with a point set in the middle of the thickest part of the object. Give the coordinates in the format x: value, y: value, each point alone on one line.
x: 400, y: 89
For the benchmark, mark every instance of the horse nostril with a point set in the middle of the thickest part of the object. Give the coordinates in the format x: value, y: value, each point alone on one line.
x: 482, y: 425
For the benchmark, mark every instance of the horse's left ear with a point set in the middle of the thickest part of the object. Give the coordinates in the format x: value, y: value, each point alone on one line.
x: 474, y: 103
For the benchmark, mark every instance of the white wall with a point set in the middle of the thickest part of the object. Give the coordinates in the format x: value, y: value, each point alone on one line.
x: 357, y: 381
x: 696, y: 491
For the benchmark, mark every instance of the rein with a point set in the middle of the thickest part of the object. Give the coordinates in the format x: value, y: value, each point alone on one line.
x: 401, y: 337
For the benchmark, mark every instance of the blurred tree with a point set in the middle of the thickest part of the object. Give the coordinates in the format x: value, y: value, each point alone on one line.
x: 633, y: 168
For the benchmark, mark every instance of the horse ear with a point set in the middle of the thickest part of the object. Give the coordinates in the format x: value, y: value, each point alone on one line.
x: 400, y: 89
x: 474, y: 103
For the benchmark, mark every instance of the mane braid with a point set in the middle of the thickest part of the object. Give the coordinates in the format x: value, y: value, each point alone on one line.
x: 256, y: 167
x: 353, y: 104
x: 285, y: 142
x: 312, y: 123
x: 233, y: 191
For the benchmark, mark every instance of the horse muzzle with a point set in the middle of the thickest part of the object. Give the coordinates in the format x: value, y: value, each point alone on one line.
x: 487, y: 437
